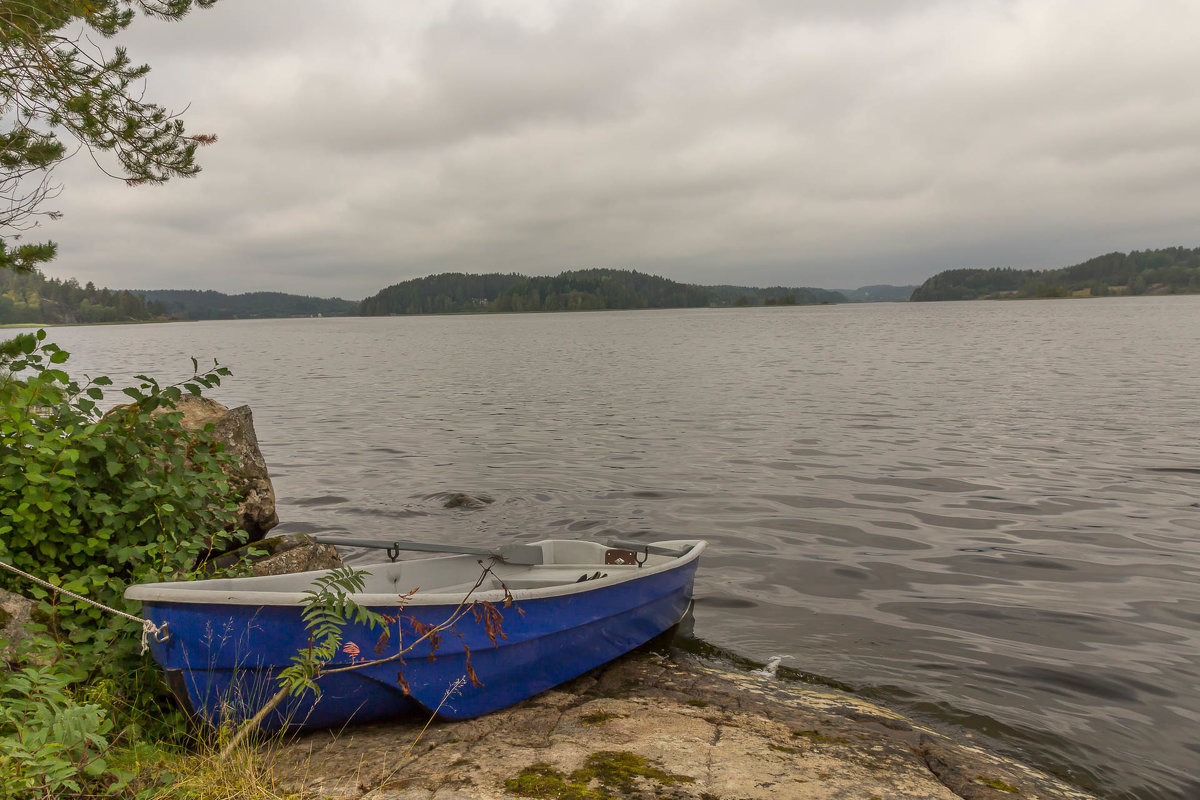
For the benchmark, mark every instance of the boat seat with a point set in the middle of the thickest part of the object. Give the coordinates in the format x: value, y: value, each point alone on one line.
x: 534, y: 577
x: 461, y: 589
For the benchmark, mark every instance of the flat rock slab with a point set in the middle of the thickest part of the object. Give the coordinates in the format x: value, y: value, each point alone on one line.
x: 650, y: 726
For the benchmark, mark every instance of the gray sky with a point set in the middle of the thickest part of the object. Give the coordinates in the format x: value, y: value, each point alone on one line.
x: 826, y: 143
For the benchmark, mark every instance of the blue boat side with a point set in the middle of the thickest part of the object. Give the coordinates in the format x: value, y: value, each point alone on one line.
x: 226, y: 658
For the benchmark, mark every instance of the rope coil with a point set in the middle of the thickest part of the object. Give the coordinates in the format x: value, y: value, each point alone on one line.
x: 149, y: 629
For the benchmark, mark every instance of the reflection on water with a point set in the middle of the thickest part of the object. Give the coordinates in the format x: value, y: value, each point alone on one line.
x: 986, y: 513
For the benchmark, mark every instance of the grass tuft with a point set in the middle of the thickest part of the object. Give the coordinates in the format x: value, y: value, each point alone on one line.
x: 163, y: 774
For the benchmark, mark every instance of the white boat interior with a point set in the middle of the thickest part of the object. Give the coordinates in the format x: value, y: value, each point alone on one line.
x: 566, y: 567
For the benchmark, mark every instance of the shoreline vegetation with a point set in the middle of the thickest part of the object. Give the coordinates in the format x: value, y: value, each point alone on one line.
x: 29, y: 298
x: 1169, y: 270
x: 32, y: 299
x: 95, y: 500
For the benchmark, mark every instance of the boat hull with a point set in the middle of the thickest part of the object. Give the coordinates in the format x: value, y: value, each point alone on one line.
x: 225, y: 659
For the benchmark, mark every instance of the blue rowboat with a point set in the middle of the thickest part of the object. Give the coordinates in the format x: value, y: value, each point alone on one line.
x: 574, y: 606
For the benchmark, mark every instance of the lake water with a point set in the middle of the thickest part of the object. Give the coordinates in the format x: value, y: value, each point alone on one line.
x: 984, y: 514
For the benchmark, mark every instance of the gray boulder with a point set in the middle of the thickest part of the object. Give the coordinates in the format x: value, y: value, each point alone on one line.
x: 234, y: 428
x: 464, y: 500
x: 284, y: 555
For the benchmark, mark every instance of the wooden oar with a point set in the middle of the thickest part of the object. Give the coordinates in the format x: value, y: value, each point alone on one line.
x: 524, y: 554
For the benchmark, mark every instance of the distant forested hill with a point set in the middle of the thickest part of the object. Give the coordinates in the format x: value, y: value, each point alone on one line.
x: 1171, y: 270
x: 435, y: 294
x: 32, y: 298
x: 773, y: 295
x: 193, y: 304
x: 579, y: 290
x: 595, y: 289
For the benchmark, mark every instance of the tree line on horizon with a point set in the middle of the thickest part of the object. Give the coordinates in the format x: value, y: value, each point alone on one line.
x: 1168, y: 270
x: 30, y: 297
x: 196, y: 304
x: 576, y: 290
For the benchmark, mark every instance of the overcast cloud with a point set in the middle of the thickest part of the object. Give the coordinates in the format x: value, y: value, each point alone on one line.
x: 829, y: 144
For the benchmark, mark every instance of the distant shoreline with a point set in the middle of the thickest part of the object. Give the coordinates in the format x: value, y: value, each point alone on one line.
x: 1011, y: 298
x: 88, y: 324
x: 1166, y: 271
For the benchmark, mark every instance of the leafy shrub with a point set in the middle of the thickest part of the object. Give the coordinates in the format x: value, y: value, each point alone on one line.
x: 49, y: 743
x: 96, y: 500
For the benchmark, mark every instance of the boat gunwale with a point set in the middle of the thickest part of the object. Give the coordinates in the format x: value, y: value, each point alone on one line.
x: 176, y: 592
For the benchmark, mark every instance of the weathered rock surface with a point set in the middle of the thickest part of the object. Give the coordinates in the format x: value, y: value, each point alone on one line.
x: 463, y: 500
x: 668, y: 728
x: 15, y: 612
x: 235, y: 429
x: 284, y: 555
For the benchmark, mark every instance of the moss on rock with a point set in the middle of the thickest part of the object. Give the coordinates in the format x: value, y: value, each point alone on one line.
x: 599, y: 717
x: 997, y: 784
x: 612, y: 770
x: 617, y: 770
x: 543, y: 781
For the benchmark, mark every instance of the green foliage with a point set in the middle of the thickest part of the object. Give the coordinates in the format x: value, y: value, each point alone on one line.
x: 28, y: 297
x: 50, y: 743
x: 327, y: 610
x: 24, y: 257
x: 96, y: 501
x: 1171, y: 270
x: 54, y: 79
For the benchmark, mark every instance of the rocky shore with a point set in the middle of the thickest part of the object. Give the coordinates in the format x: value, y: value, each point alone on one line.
x: 660, y: 726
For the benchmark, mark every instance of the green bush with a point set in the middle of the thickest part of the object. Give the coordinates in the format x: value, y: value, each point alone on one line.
x: 96, y: 500
x: 49, y: 743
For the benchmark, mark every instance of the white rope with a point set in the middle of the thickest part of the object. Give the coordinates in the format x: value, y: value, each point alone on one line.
x: 148, y: 628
